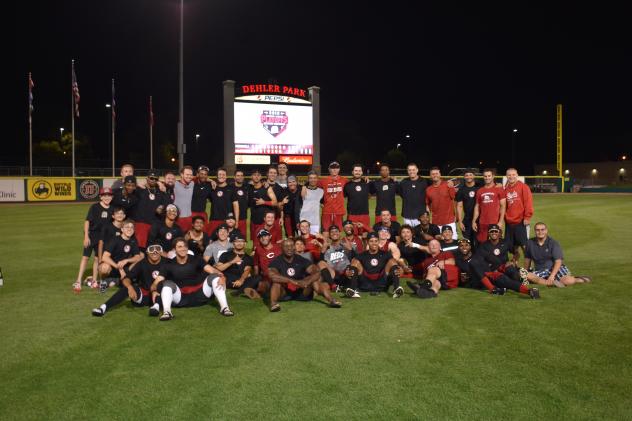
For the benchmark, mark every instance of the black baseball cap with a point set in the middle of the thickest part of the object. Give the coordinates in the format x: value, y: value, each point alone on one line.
x: 129, y: 179
x: 463, y: 240
x: 230, y: 216
x: 222, y: 226
x: 334, y: 227
x: 493, y: 227
x: 347, y: 222
x: 371, y: 235
x: 152, y: 173
x: 445, y: 228
x: 239, y: 236
x: 334, y: 164
x: 263, y: 233
x: 424, y: 213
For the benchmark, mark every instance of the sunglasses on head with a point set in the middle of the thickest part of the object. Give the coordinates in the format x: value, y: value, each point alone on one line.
x: 154, y: 249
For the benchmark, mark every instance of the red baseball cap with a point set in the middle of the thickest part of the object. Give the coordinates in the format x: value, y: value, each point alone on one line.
x: 105, y: 191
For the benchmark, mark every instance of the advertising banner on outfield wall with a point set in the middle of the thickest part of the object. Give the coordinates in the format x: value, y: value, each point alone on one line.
x: 49, y: 189
x: 88, y: 189
x: 12, y: 190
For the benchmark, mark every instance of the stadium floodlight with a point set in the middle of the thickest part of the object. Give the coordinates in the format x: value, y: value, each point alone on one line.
x: 545, y: 172
x: 624, y: 157
x: 594, y: 171
x: 567, y: 172
x: 407, y: 136
x: 515, y: 130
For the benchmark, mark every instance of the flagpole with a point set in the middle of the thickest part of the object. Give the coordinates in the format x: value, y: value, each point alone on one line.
x: 112, y: 115
x: 72, y: 126
x: 30, y: 127
x: 181, y: 147
x: 151, y: 133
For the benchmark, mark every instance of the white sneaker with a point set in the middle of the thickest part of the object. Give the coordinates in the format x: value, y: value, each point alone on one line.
x: 399, y: 291
x: 351, y: 293
x: 167, y: 315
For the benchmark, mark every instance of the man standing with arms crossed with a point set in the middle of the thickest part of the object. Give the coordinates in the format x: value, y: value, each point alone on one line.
x: 489, y: 208
x: 333, y: 199
x: 519, y: 211
x: 440, y: 199
x: 413, y: 193
x: 384, y: 190
x: 465, y: 201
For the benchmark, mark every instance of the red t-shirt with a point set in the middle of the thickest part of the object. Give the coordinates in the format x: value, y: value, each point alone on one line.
x: 519, y: 203
x: 440, y: 201
x: 451, y: 271
x: 312, y: 248
x: 333, y: 198
x: 262, y: 257
x: 488, y: 200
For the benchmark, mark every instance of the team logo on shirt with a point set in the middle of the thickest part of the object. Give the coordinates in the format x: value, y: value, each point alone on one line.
x: 385, y: 187
x: 374, y: 262
x: 152, y: 196
x: 274, y: 122
x: 168, y: 236
x: 472, y: 193
x: 488, y: 197
x: 496, y: 252
x: 127, y: 248
x: 240, y: 192
x: 270, y: 255
x: 358, y: 188
x: 220, y: 193
x: 291, y: 272
x: 104, y: 214
x: 154, y: 274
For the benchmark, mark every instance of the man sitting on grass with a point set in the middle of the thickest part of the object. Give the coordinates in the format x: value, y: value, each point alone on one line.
x: 440, y: 272
x: 295, y: 278
x: 237, y: 267
x: 546, y: 255
x: 377, y: 269
x: 119, y: 255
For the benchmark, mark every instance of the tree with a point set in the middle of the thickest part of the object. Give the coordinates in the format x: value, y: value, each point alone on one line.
x: 396, y: 158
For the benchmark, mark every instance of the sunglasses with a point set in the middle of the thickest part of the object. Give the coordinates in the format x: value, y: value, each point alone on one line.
x: 154, y: 249
x: 153, y: 178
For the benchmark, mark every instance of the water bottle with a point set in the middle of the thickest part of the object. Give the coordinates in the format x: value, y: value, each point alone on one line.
x: 1, y: 278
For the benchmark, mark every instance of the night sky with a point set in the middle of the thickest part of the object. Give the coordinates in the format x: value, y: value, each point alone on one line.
x: 458, y: 79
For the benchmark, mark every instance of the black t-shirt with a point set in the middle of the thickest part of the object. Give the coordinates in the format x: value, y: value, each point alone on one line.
x: 384, y: 192
x: 280, y: 192
x: 494, y: 255
x: 357, y: 194
x: 474, y: 266
x: 201, y: 193
x: 121, y: 248
x: 412, y: 255
x: 126, y: 202
x: 98, y: 217
x: 110, y: 231
x: 413, y: 195
x: 296, y: 269
x: 148, y: 202
x: 393, y: 229
x: 222, y: 199
x: 241, y: 195
x: 143, y: 273
x: 467, y: 195
x: 187, y: 274
x: 235, y: 270
x: 171, y: 195
x: 290, y: 207
x: 194, y: 245
x: 432, y: 230
x: 257, y: 213
x: 374, y: 263
x: 451, y: 247
x: 164, y: 235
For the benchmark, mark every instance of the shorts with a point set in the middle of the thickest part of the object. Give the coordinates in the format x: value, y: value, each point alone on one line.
x: 184, y: 223
x: 516, y: 235
x: 544, y: 274
x: 329, y: 219
x: 379, y: 284
x: 93, y: 247
x: 141, y: 232
x: 364, y: 219
x: 297, y: 295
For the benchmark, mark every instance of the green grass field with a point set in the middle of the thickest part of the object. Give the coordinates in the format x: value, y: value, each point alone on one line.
x: 464, y: 355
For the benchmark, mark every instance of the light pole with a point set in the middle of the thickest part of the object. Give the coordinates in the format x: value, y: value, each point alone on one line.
x: 108, y: 111
x: 514, y: 134
x: 181, y: 147
x: 61, y: 135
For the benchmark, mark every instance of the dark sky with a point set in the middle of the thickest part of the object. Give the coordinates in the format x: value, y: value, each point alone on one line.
x: 457, y: 78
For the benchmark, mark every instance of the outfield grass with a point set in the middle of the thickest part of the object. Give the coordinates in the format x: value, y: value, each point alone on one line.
x: 465, y: 355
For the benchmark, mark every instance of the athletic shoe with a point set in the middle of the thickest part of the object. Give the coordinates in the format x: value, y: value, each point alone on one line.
x: 427, y: 293
x: 166, y: 316
x: 399, y: 291
x: 226, y: 312
x: 498, y: 291
x: 351, y: 293
x: 154, y: 311
x: 426, y: 283
x: 76, y: 287
x: 413, y: 286
x: 534, y: 293
x: 523, y: 276
x: 98, y: 312
x: 334, y: 304
x: 103, y: 286
x: 88, y: 281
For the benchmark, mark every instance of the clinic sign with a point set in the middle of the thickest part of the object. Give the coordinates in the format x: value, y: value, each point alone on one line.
x: 12, y: 190
x: 51, y: 189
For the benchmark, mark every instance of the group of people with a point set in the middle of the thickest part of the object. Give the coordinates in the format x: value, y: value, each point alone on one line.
x: 155, y: 241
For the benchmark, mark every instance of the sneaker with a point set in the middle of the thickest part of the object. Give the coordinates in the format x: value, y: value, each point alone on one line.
x: 334, y: 304
x: 413, y: 286
x: 352, y: 293
x: 97, y: 312
x: 427, y: 293
x: 498, y: 291
x: 426, y: 283
x: 88, y: 281
x: 226, y: 312
x: 154, y: 311
x: 76, y: 287
x: 399, y: 291
x: 340, y: 289
x: 523, y: 276
x: 103, y: 286
x: 166, y: 316
x: 534, y: 293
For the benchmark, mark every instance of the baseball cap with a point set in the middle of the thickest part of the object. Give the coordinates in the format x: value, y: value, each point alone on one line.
x: 347, y: 222
x: 222, y: 226
x: 446, y: 228
x: 239, y: 236
x: 383, y: 228
x: 152, y: 173
x: 371, y: 235
x: 171, y: 207
x: 203, y: 168
x: 263, y: 233
x: 105, y: 191
x: 129, y: 179
x: 493, y: 227
x: 334, y: 227
x: 230, y: 216
x: 334, y: 164
x: 463, y: 240
x: 426, y: 213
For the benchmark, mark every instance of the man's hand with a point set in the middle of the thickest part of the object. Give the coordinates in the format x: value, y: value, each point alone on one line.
x: 121, y: 264
x: 132, y: 293
x: 259, y: 202
x: 475, y: 226
x: 213, y: 184
x: 236, y: 260
x: 222, y: 282
x: 450, y: 183
x: 154, y: 295
x: 526, y: 222
x: 441, y: 264
x: 238, y: 283
x: 285, y: 200
x: 501, y: 224
x: 86, y: 241
x: 461, y: 226
x: 550, y: 280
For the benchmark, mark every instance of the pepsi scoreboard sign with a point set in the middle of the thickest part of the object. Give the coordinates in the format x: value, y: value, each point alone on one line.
x: 272, y: 119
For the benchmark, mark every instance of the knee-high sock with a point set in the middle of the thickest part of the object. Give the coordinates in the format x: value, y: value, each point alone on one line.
x: 118, y: 297
x: 220, y: 293
x: 393, y: 279
x: 166, y: 296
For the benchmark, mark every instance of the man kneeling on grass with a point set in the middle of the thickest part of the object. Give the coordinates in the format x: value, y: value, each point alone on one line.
x: 295, y: 278
x: 188, y: 281
x: 137, y: 282
x: 546, y: 255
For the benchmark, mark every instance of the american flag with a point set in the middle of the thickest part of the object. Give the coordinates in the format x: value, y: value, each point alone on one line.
x: 75, y: 90
x: 31, y: 86
x: 113, y: 103
x: 151, y: 112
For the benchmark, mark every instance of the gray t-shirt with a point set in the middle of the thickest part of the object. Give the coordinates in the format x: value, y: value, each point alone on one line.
x: 216, y: 249
x: 183, y: 195
x: 545, y: 255
x: 311, y: 206
x: 338, y: 257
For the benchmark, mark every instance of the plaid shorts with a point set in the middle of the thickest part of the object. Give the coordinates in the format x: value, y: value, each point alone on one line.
x: 544, y: 274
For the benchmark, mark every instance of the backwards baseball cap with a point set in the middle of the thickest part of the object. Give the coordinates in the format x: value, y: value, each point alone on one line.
x: 263, y: 233
x: 239, y: 236
x: 334, y: 227
x: 424, y: 213
x: 446, y: 228
x: 222, y: 227
x: 383, y: 228
x: 347, y: 222
x: 152, y: 173
x: 171, y: 207
x: 129, y: 179
x: 371, y: 235
x: 493, y: 227
x: 104, y: 191
x: 334, y: 164
x: 230, y: 216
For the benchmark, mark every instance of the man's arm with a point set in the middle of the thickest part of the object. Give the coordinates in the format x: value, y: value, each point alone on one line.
x: 475, y: 217
x: 222, y: 266
x: 236, y: 212
x: 108, y: 259
x: 503, y: 207
x: 86, y: 233
x: 459, y: 215
x: 527, y: 199
x: 314, y: 276
x: 556, y: 268
x: 276, y: 277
